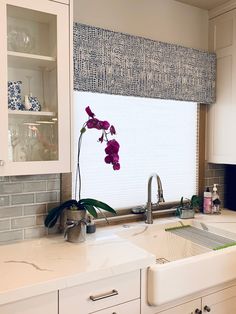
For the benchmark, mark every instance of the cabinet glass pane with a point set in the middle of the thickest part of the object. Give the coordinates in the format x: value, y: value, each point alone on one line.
x: 32, y: 85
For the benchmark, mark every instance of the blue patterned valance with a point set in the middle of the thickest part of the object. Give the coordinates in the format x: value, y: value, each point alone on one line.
x: 116, y: 63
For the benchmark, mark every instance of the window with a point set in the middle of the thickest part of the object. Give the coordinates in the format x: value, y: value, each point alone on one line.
x: 155, y: 136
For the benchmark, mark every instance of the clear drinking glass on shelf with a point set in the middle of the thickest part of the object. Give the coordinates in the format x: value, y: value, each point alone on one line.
x: 19, y: 39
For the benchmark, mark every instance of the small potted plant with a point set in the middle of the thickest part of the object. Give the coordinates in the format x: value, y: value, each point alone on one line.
x: 187, y: 208
x: 76, y: 210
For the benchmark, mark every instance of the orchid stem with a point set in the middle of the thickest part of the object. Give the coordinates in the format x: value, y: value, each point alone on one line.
x: 78, y: 172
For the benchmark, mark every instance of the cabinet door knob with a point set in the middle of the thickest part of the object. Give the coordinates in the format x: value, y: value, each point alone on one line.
x: 207, y: 308
x: 197, y: 311
x: 104, y: 295
x: 1, y: 163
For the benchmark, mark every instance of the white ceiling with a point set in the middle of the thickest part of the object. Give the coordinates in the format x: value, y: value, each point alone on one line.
x: 204, y: 4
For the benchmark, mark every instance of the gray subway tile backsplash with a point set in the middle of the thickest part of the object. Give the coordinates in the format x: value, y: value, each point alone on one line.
x: 4, y: 200
x: 24, y: 203
x: 5, y: 224
x: 23, y: 222
x: 35, y: 209
x: 9, y: 188
x: 11, y: 211
x: 215, y: 173
x: 35, y: 232
x: 11, y: 236
x: 53, y: 185
x: 22, y: 199
x: 25, y: 200
x: 34, y: 186
x: 47, y: 197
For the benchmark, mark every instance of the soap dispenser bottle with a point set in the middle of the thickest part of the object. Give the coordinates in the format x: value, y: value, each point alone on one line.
x: 207, y: 202
x: 215, y: 200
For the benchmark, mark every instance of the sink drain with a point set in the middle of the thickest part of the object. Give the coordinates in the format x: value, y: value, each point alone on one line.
x: 162, y: 260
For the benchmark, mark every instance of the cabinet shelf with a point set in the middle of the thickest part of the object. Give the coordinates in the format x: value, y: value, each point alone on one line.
x: 30, y: 61
x: 31, y: 113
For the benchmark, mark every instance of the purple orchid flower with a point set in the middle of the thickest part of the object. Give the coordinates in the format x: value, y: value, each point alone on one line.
x: 89, y: 112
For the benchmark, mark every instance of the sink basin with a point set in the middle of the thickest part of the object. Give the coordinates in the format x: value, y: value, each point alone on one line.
x: 186, y: 259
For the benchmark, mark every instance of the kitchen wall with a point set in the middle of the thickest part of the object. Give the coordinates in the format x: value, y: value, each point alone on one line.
x: 164, y: 20
x: 24, y: 200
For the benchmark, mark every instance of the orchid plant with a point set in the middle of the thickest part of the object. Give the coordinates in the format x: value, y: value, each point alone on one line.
x: 112, y: 146
x: 111, y: 157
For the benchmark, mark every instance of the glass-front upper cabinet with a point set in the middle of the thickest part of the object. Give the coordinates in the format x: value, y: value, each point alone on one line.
x: 34, y: 87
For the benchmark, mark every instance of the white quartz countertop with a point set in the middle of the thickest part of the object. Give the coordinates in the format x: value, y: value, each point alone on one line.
x: 47, y: 264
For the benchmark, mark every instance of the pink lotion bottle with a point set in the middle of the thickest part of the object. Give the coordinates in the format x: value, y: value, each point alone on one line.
x: 207, y: 202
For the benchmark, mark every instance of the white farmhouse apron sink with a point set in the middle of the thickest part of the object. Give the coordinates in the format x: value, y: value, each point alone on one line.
x: 184, y: 265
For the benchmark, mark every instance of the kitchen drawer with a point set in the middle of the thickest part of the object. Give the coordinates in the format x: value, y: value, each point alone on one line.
x: 100, y: 294
x: 126, y: 308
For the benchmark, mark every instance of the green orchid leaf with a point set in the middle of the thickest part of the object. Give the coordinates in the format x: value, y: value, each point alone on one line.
x: 91, y: 210
x: 55, y: 212
x: 98, y: 204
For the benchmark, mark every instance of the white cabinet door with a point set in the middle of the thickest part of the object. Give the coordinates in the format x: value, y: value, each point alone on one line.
x: 35, y: 87
x: 193, y: 307
x: 222, y: 114
x: 222, y: 302
x: 43, y: 304
x: 132, y: 307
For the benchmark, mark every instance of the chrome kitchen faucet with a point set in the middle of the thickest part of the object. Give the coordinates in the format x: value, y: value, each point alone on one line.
x: 160, y: 198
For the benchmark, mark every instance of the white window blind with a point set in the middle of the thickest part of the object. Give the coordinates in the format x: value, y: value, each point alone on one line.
x: 155, y: 136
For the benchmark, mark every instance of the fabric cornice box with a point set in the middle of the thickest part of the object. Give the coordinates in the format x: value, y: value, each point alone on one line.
x: 116, y: 63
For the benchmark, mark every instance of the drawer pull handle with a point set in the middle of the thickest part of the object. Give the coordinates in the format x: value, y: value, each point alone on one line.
x: 1, y: 163
x: 104, y: 295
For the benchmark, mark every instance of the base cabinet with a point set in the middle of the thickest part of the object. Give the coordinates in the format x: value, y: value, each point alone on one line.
x: 193, y: 307
x: 222, y: 302
x: 43, y: 304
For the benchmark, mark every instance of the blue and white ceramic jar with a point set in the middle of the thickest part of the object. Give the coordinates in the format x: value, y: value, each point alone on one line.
x: 35, y: 104
x: 14, y: 95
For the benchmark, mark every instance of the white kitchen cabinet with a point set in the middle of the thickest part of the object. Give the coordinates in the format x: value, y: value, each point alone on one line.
x: 105, y: 294
x: 222, y: 302
x: 43, y: 304
x: 222, y: 114
x: 35, y: 87
x: 192, y: 307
